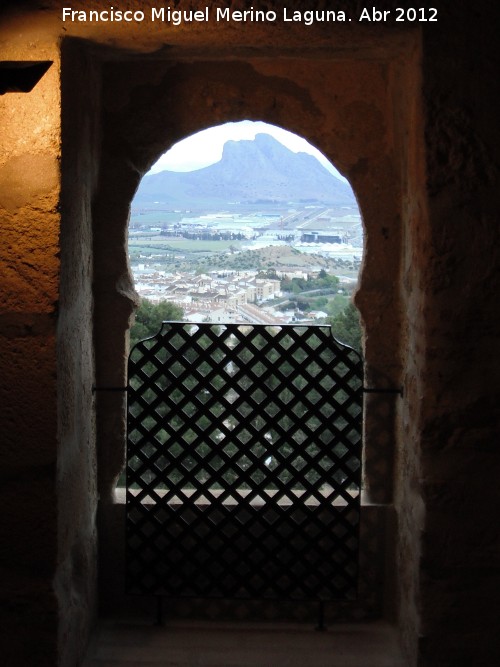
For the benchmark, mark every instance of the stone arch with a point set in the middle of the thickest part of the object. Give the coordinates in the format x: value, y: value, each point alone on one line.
x: 344, y: 109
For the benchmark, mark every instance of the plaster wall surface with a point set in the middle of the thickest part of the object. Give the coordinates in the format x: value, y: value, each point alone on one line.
x: 29, y: 247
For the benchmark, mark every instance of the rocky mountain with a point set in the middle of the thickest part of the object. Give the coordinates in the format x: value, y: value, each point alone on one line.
x: 250, y: 171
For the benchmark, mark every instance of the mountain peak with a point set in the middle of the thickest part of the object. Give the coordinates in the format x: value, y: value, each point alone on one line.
x: 250, y: 170
x: 260, y: 142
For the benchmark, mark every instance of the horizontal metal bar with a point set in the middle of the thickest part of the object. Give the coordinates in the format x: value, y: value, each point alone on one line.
x: 387, y: 390
x: 94, y: 389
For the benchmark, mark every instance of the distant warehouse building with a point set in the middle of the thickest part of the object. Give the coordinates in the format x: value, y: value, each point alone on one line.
x: 318, y: 237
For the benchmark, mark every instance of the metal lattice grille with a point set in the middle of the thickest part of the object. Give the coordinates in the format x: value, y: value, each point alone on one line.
x: 243, y: 463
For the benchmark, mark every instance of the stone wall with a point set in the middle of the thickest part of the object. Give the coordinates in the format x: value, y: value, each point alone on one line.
x: 75, y: 581
x: 456, y: 309
x: 408, y: 113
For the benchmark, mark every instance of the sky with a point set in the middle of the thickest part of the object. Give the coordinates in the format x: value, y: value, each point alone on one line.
x: 204, y: 148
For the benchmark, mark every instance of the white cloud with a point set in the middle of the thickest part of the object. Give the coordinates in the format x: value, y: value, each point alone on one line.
x: 204, y: 148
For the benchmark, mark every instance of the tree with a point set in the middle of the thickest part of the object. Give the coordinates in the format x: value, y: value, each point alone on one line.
x: 346, y: 327
x: 149, y: 316
x: 324, y: 281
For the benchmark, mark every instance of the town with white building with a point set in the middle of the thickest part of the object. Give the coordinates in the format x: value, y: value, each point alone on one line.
x: 216, y: 296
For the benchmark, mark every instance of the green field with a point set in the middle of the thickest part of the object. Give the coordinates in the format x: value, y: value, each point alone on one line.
x: 180, y: 254
x: 167, y: 245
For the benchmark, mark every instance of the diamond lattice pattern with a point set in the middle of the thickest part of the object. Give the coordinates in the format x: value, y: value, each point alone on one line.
x: 243, y: 463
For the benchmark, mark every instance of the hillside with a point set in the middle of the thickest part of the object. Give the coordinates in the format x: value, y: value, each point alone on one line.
x: 281, y: 258
x: 250, y: 171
